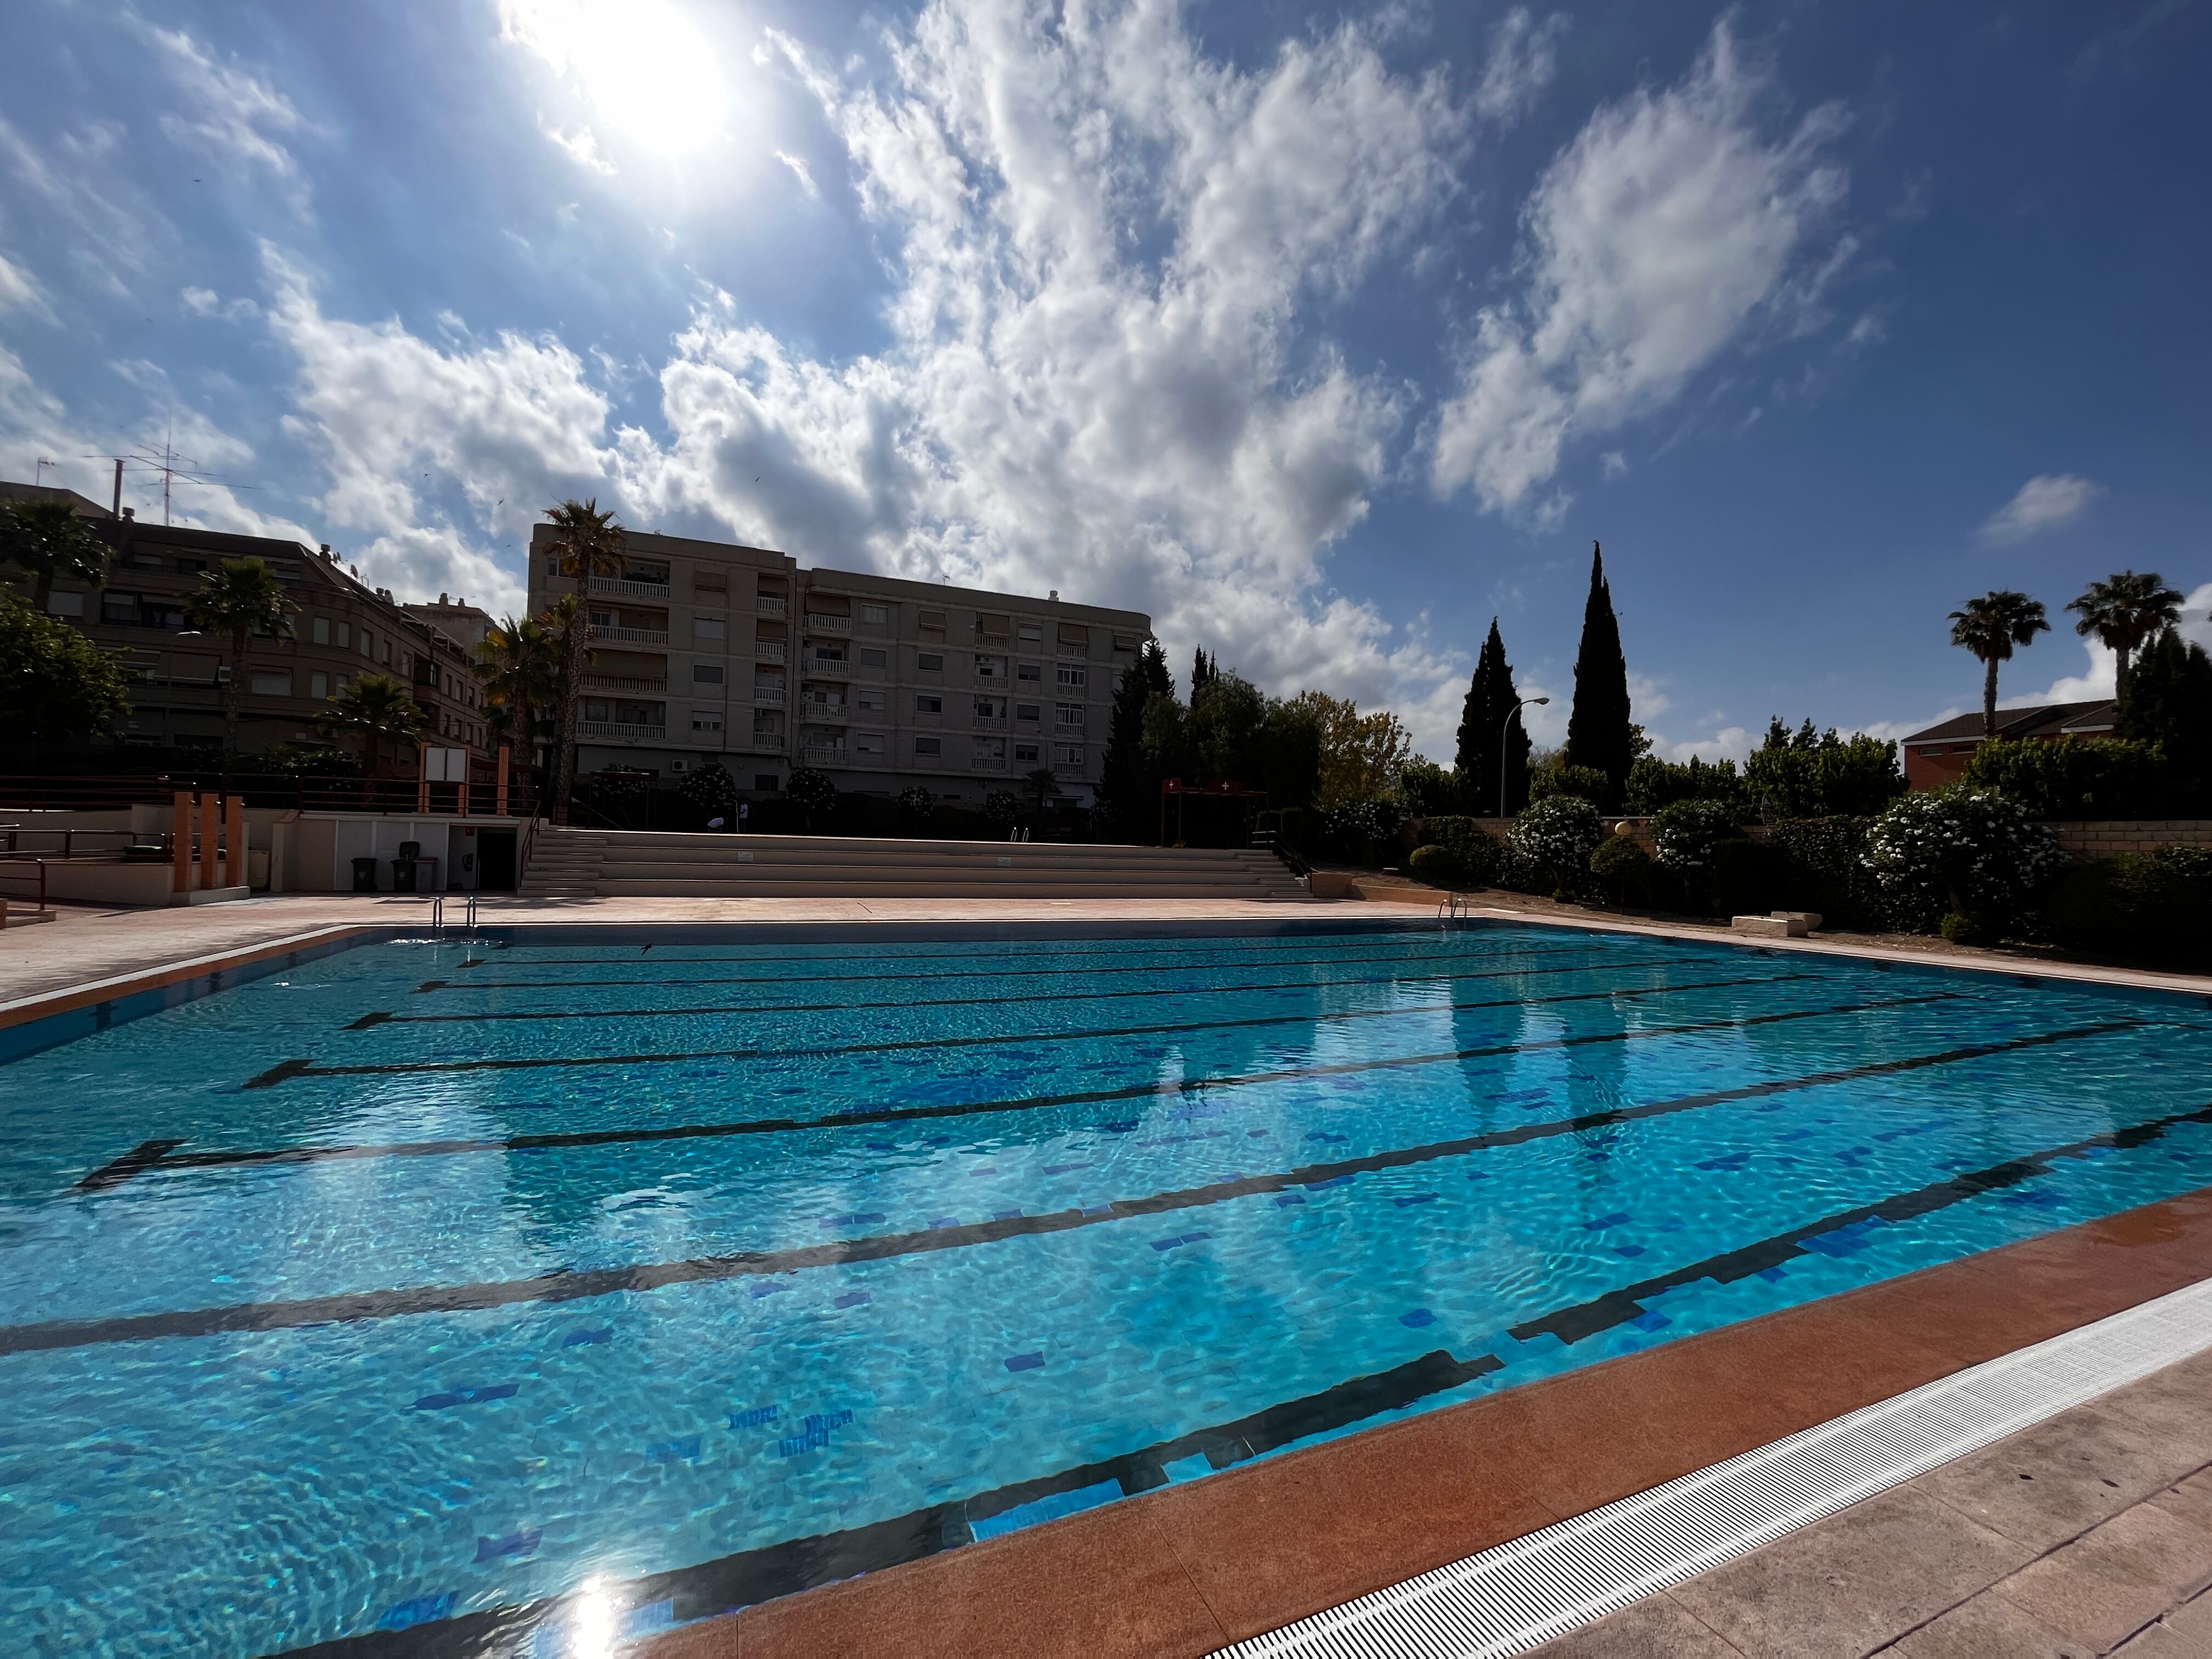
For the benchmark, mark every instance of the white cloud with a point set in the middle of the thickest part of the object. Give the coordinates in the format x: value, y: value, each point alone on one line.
x: 1660, y: 235
x: 2043, y: 503
x: 206, y: 302
x: 797, y: 167
x: 1731, y: 742
x: 2100, y: 677
x: 1523, y: 58
x: 233, y: 111
x: 580, y: 146
x: 1612, y: 464
x: 20, y: 291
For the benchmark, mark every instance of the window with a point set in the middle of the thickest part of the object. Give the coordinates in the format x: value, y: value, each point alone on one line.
x: 706, y: 673
x: 869, y: 701
x: 1028, y: 711
x: 1067, y: 754
x: 384, y: 646
x: 120, y: 609
x: 1032, y: 636
x: 1962, y: 748
x: 345, y: 635
x: 926, y: 705
x: 1935, y: 748
x: 275, y: 684
x: 1068, y: 714
x: 633, y: 572
x: 933, y: 621
x: 832, y: 654
x: 989, y: 623
x: 877, y: 615
x: 873, y: 656
x: 1030, y: 673
x: 318, y: 684
x: 868, y: 743
x: 1074, y: 676
x: 709, y: 627
x: 764, y: 782
x: 706, y: 722
x: 990, y: 668
x: 64, y: 604
x: 933, y: 662
x: 1025, y: 754
x: 991, y: 708
x: 322, y: 631
x: 928, y: 748
x: 1126, y: 642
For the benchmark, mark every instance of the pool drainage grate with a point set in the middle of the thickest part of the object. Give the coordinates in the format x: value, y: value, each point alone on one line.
x: 1518, y: 1596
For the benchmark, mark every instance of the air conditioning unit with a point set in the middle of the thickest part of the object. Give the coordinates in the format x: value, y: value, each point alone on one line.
x: 677, y: 765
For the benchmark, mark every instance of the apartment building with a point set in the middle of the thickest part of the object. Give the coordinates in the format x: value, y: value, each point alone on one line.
x: 341, y: 630
x: 706, y: 651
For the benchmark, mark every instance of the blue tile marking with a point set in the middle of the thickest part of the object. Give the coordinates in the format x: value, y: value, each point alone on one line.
x: 1630, y: 1250
x: 1417, y: 1318
x: 682, y: 1450
x: 857, y: 1218
x: 945, y: 1221
x: 853, y: 1299
x: 1047, y: 1509
x: 1005, y: 1215
x: 1180, y: 1238
x: 1651, y: 1322
x: 1324, y: 1185
x: 1732, y: 1160
x: 1613, y: 1220
x: 1336, y: 1140
x: 1416, y: 1198
x: 1188, y: 1468
x: 814, y: 1435
x: 653, y: 1615
x: 438, y: 1402
x: 753, y: 1417
x: 421, y: 1610
x: 768, y: 1289
x: 1773, y: 1275
x: 582, y: 1338
x: 1024, y: 1362
x: 523, y: 1541
x: 1289, y: 1198
x: 825, y: 1421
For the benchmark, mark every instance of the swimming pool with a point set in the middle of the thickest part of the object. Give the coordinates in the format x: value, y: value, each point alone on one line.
x: 572, y: 1282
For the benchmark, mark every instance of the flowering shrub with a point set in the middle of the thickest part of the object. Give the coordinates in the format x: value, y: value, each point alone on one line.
x: 1554, y: 839
x: 917, y: 804
x: 1480, y: 854
x: 1359, y: 826
x: 1686, y: 832
x: 1002, y: 807
x: 1970, y: 854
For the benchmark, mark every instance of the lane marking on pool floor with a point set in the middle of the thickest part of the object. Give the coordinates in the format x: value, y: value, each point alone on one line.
x: 1518, y: 1596
x: 569, y: 1285
x: 135, y: 1162
x: 387, y: 1017
x: 747, y: 1578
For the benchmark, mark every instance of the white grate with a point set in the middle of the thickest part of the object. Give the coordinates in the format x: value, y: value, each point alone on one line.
x: 1518, y: 1596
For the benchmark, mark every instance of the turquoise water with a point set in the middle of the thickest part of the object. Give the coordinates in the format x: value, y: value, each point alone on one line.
x: 477, y: 1292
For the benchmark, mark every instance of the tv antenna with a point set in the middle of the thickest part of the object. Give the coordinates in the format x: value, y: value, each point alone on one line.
x: 175, y: 469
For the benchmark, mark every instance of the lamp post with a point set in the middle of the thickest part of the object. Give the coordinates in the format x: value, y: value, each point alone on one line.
x: 1502, y: 731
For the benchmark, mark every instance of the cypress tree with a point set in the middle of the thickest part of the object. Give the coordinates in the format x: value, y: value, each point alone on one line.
x: 1483, y: 721
x: 1202, y: 670
x: 1599, y: 734
x: 2169, y: 703
x: 1131, y: 782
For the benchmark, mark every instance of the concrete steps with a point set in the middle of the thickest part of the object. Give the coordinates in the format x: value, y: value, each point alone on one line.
x: 645, y: 864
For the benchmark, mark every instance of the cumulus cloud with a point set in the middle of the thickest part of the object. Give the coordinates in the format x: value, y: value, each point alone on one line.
x: 580, y: 146
x: 2044, y: 501
x: 231, y: 110
x: 1523, y: 59
x: 2099, y: 676
x: 1667, y: 229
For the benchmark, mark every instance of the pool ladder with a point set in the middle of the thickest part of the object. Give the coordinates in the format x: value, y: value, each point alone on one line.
x: 1456, y: 906
x: 437, y: 913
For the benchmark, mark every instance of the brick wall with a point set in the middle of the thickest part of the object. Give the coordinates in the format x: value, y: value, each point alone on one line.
x: 2083, y: 840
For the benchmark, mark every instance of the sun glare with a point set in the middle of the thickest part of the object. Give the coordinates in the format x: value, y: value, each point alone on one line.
x: 648, y: 70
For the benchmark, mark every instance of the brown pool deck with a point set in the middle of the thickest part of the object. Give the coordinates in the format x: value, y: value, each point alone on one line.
x: 2089, y: 1534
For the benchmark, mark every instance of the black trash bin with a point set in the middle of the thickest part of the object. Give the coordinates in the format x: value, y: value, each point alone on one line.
x: 410, y: 850
x: 364, y: 875
x: 403, y: 875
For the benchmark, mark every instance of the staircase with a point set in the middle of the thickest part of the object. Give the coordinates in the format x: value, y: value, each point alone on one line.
x: 571, y: 864
x: 563, y: 864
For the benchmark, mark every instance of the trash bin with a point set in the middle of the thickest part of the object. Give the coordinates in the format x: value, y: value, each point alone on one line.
x: 403, y: 875
x: 410, y: 850
x: 364, y: 875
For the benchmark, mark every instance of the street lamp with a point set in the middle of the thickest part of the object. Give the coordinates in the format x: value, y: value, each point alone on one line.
x: 1502, y: 730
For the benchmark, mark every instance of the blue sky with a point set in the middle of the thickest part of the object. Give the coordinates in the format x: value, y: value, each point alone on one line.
x: 1322, y: 336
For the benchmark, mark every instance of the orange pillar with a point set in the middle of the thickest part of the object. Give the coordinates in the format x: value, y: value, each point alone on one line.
x: 181, y: 879
x: 234, y: 860
x: 210, y: 835
x: 499, y: 798
x: 422, y: 779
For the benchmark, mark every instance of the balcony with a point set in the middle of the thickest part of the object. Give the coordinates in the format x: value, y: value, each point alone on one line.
x: 817, y: 623
x: 772, y: 604
x: 629, y: 635
x: 772, y: 696
x: 624, y: 683
x: 622, y: 734
x: 990, y: 722
x: 825, y: 754
x: 625, y: 588
x: 826, y: 713
x: 768, y: 651
x: 987, y: 763
x: 826, y: 668
x: 994, y: 641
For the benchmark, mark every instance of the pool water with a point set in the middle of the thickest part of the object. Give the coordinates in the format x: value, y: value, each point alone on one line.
x: 552, y: 1287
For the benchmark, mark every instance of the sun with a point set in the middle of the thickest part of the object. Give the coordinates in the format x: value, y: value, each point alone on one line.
x: 649, y: 71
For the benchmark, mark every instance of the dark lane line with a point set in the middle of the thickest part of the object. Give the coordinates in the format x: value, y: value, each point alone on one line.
x: 143, y: 1157
x: 748, y: 1577
x: 990, y: 973
x: 288, y: 1069
x: 569, y: 1285
x: 963, y: 950
x: 384, y: 1016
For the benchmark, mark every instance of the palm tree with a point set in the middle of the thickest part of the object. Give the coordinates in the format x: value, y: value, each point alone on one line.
x: 2127, y: 611
x: 242, y: 599
x: 587, y: 542
x: 45, y: 539
x: 1989, y: 626
x: 519, y: 665
x: 374, y: 708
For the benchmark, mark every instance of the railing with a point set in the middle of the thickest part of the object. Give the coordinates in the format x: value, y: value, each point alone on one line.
x: 771, y: 605
x: 624, y: 683
x: 622, y: 731
x: 30, y: 874
x: 381, y: 796
x: 72, y: 843
x: 832, y: 713
x: 990, y: 722
x: 630, y: 635
x: 768, y: 650
x: 771, y: 694
x: 987, y: 763
x: 820, y: 623
x: 995, y: 641
x: 826, y: 668
x: 825, y: 754
x: 627, y: 588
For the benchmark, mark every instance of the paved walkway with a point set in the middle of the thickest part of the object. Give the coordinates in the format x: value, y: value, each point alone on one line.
x: 2089, y: 1533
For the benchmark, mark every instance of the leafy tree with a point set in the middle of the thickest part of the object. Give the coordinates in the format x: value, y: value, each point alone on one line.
x: 1290, y: 756
x: 1427, y: 788
x: 1811, y: 774
x: 2077, y: 778
x: 811, y: 791
x: 1226, y: 714
x: 1002, y: 807
x: 519, y: 665
x: 378, y: 710
x: 1990, y: 627
x: 710, y: 790
x: 1044, y: 789
x: 45, y: 538
x: 2169, y: 703
x: 1361, y: 755
x: 1653, y: 783
x: 1582, y: 782
x: 1599, y: 734
x: 56, y: 685
x: 1491, y: 733
x: 2125, y: 611
x: 587, y: 542
x: 307, y: 760
x: 1620, y: 864
x: 1131, y: 777
x: 242, y: 597
x: 1202, y: 669
x: 916, y: 804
